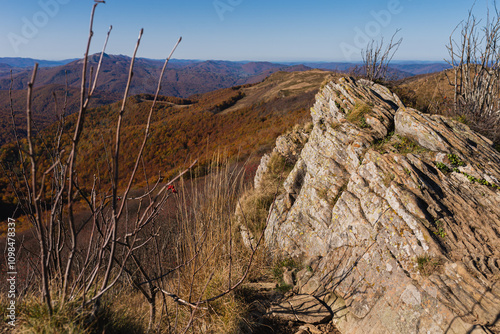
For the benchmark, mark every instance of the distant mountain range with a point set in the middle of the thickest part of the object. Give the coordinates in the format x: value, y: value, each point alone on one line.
x: 402, y: 69
x: 183, y: 77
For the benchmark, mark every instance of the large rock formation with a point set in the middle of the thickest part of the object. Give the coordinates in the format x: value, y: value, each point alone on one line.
x: 398, y: 212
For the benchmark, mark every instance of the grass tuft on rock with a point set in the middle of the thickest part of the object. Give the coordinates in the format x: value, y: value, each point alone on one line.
x: 255, y: 203
x: 357, y: 115
x: 406, y: 145
x: 428, y: 265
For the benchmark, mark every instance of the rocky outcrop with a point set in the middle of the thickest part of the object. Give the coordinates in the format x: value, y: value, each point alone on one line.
x: 399, y: 212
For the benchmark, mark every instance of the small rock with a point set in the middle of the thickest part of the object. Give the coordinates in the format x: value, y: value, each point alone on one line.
x: 288, y: 277
x: 313, y: 286
x: 247, y: 237
x: 303, y: 277
x: 261, y: 170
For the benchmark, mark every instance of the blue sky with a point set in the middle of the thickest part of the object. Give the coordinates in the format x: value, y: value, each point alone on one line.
x: 272, y: 30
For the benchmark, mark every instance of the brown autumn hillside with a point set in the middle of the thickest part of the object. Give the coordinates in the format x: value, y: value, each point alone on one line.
x: 182, y: 79
x: 44, y: 107
x: 239, y: 121
x: 427, y: 92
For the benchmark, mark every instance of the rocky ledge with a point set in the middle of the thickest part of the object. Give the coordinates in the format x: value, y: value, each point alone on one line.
x: 395, y: 215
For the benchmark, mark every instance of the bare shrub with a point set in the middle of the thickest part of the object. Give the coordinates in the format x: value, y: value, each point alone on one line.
x: 487, y: 124
x: 475, y: 75
x: 377, y: 57
x: 97, y: 236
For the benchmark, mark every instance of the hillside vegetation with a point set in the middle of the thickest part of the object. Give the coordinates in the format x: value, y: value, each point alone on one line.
x: 183, y: 78
x: 242, y: 121
x: 49, y: 102
x: 61, y: 84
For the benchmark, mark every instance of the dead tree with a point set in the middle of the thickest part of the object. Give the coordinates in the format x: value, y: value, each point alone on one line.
x: 475, y: 60
x: 377, y: 56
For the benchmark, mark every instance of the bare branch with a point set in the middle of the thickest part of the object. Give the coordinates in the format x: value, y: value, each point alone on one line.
x: 180, y: 300
x: 376, y: 58
x: 148, y: 125
x: 99, y: 65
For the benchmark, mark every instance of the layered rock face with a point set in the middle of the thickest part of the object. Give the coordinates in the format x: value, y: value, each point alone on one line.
x: 395, y: 214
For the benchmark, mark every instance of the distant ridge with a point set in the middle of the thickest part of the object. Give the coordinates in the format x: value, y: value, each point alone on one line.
x: 405, y: 68
x: 183, y: 78
x: 29, y: 62
x: 411, y: 67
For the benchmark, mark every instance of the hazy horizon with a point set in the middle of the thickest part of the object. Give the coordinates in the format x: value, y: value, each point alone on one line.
x: 293, y: 61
